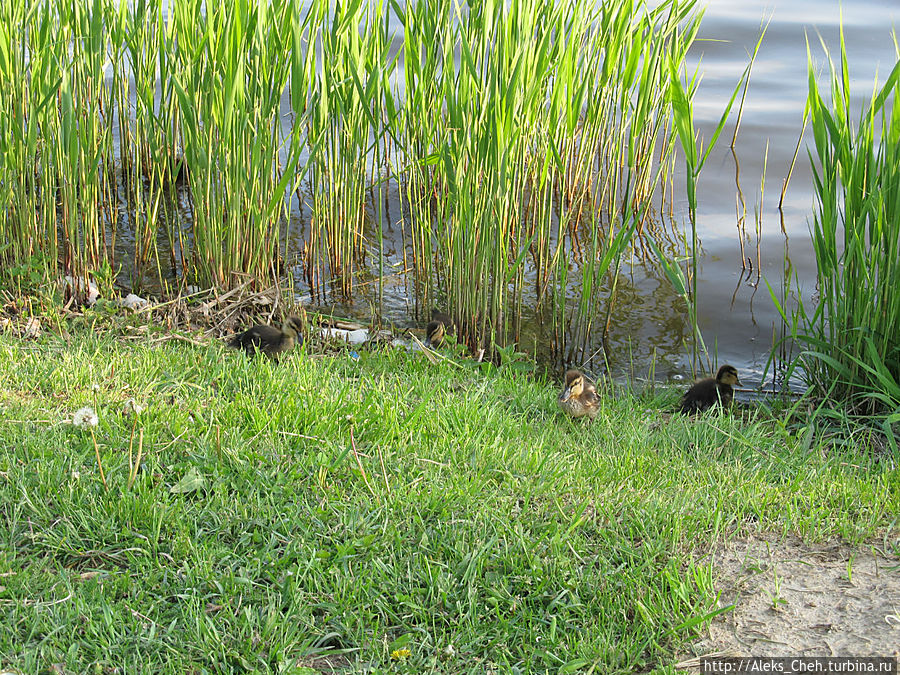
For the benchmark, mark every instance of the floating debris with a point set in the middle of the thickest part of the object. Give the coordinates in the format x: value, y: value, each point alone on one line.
x: 353, y: 337
x: 133, y: 302
x: 32, y: 328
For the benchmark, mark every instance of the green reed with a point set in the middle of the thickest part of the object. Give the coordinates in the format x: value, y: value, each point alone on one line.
x: 848, y: 334
x: 695, y: 152
x: 229, y: 99
x: 350, y: 64
x: 221, y: 71
x: 526, y: 139
x: 539, y: 145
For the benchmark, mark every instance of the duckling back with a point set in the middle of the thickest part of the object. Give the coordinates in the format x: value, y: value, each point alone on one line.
x: 268, y: 340
x: 705, y: 394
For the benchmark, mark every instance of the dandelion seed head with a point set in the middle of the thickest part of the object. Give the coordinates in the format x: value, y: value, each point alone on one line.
x: 85, y: 417
x: 133, y: 406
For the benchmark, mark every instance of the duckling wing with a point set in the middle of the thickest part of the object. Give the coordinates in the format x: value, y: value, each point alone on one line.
x: 689, y: 405
x: 590, y: 398
x: 699, y: 397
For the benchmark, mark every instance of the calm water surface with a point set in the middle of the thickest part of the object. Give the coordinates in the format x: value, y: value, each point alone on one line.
x: 737, y: 316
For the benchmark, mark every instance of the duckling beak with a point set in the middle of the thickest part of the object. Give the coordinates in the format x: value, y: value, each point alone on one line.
x: 567, y: 393
x: 739, y: 383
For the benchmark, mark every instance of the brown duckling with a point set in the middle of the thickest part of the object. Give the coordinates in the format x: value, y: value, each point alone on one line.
x: 440, y: 325
x: 711, y: 391
x: 579, y: 397
x: 269, y: 340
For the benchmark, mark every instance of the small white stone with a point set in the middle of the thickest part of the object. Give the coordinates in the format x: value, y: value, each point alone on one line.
x: 133, y: 302
x: 89, y: 289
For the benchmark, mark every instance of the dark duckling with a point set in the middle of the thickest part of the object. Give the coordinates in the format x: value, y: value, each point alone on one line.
x: 269, y: 340
x: 705, y: 394
x: 579, y: 396
x: 440, y: 325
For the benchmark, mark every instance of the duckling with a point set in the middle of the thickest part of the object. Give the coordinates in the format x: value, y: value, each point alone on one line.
x: 269, y: 340
x: 440, y: 325
x: 579, y: 397
x: 434, y: 334
x: 711, y: 391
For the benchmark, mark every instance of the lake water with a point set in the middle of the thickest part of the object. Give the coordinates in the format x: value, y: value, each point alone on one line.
x: 737, y: 316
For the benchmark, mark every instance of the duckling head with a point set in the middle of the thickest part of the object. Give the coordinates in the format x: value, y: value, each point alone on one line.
x: 727, y: 375
x: 292, y: 327
x: 434, y: 334
x: 574, y: 385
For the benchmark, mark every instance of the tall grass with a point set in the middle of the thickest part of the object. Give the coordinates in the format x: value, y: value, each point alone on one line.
x: 849, y: 333
x: 526, y: 139
x: 535, y: 127
x: 108, y: 104
x: 230, y: 99
x: 349, y: 66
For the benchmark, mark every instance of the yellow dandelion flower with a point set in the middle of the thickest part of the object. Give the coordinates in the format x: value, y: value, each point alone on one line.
x: 400, y: 654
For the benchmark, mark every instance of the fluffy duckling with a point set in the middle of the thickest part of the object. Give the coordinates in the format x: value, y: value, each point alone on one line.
x: 711, y: 391
x: 269, y: 340
x: 579, y: 397
x: 440, y: 325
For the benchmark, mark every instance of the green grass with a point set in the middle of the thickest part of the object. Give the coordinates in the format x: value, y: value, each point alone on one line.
x: 483, y: 519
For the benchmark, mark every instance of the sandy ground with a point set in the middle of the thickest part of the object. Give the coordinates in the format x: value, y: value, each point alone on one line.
x: 794, y: 599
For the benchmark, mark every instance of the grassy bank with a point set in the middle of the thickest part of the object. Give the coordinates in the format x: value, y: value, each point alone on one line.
x: 366, y: 507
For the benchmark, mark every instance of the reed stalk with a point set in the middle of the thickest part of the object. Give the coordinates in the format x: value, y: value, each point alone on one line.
x: 526, y: 139
x: 847, y: 334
